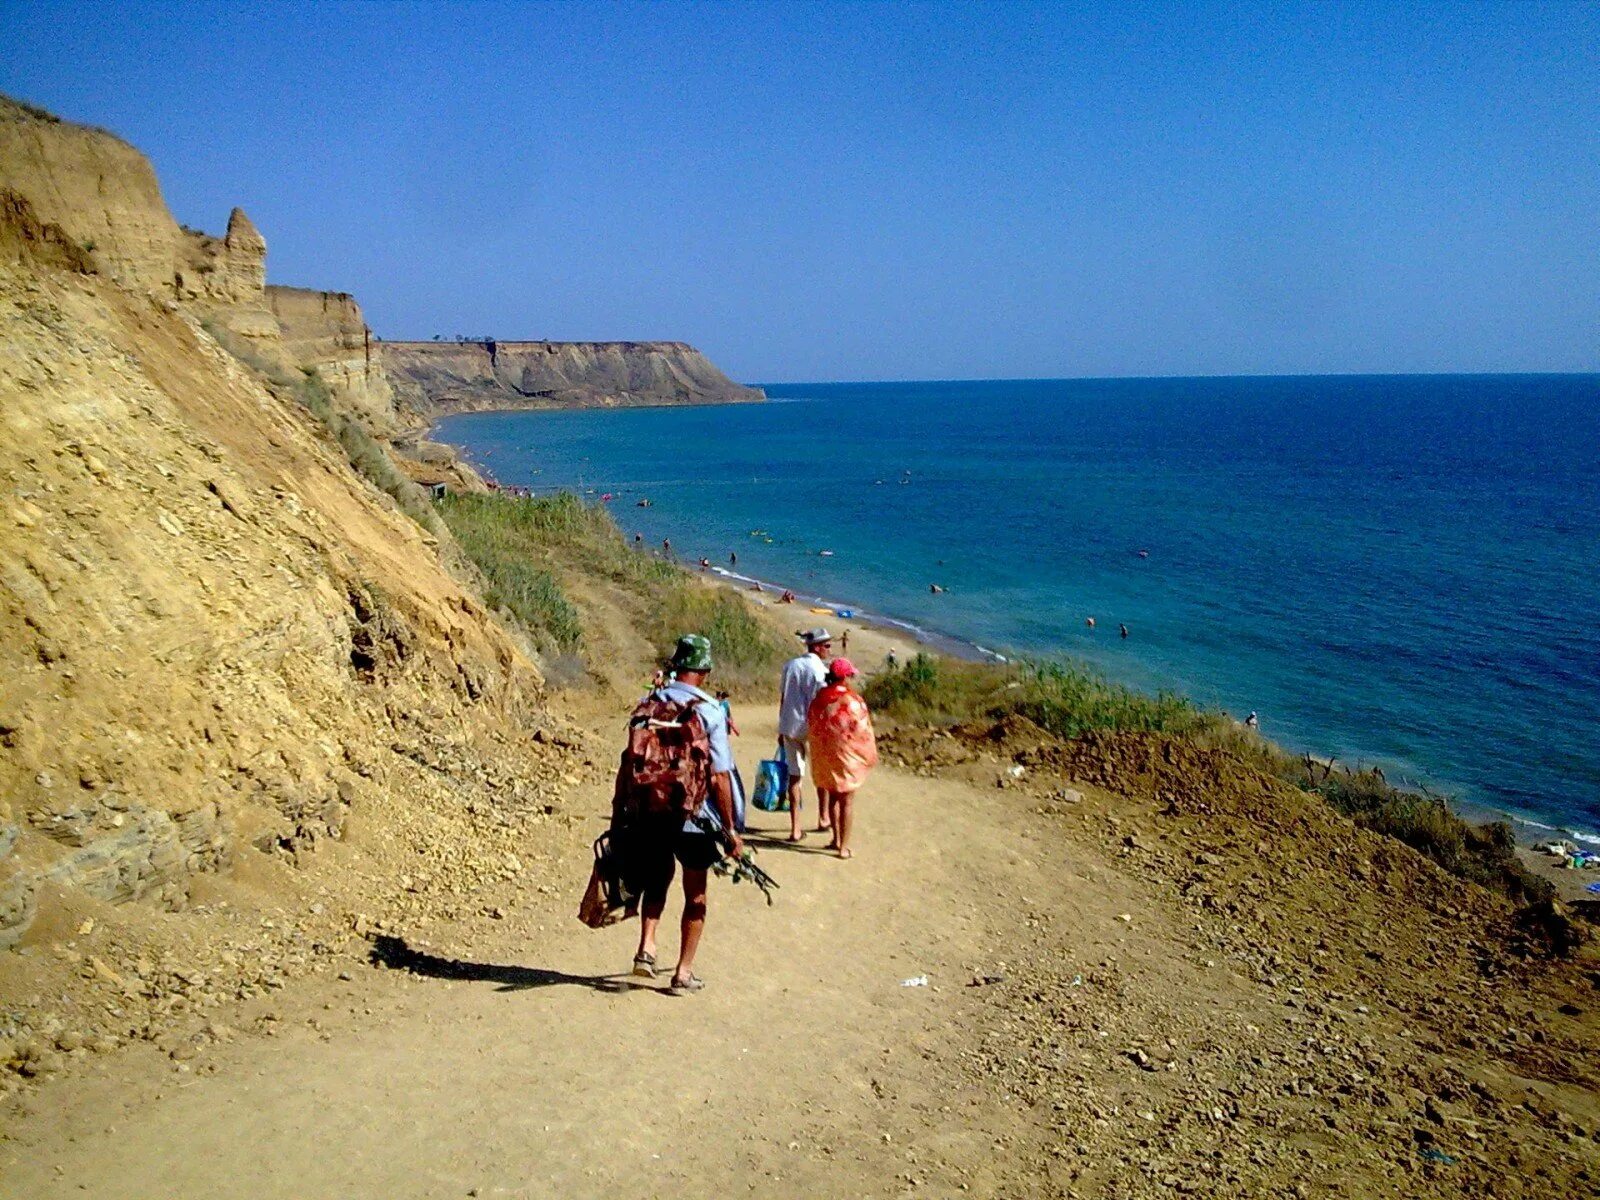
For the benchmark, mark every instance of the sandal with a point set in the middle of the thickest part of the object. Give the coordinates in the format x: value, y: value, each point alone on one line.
x: 644, y: 965
x: 682, y: 987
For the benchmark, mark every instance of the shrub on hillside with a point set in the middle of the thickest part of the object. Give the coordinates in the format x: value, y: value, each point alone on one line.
x: 1063, y: 698
x: 1069, y: 700
x: 746, y: 652
x: 1485, y: 853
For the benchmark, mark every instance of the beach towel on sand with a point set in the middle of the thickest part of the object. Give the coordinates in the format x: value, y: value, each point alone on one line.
x: 843, y: 748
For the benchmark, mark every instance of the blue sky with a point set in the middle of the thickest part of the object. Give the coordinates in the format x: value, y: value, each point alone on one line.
x: 883, y: 191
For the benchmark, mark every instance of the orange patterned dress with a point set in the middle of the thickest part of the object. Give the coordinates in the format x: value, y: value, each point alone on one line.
x: 842, y: 745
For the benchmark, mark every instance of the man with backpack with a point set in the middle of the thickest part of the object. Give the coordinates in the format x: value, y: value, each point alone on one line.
x: 673, y: 804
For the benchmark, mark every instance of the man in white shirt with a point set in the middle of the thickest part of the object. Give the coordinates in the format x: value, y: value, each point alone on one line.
x: 803, y: 678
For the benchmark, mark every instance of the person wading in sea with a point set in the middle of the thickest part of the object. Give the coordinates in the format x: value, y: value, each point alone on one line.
x: 803, y: 678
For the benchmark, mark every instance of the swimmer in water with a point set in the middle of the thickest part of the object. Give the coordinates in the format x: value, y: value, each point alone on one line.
x: 1122, y: 630
x: 1089, y: 621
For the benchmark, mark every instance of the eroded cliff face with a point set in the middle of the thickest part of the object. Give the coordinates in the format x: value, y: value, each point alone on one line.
x: 325, y: 331
x: 98, y: 190
x: 228, y: 660
x: 438, y: 378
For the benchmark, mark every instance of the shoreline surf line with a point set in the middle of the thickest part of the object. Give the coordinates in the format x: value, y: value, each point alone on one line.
x: 945, y: 643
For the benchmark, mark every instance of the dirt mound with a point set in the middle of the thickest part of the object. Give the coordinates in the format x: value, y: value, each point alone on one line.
x: 1432, y: 1009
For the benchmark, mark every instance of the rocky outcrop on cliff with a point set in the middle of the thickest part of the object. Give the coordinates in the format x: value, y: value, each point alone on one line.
x: 438, y: 378
x: 98, y: 190
x: 325, y: 332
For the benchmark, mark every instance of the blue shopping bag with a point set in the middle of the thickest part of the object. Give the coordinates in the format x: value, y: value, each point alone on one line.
x: 772, y: 784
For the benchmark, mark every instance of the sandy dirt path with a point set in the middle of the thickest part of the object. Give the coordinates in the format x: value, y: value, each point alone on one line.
x: 536, y: 1067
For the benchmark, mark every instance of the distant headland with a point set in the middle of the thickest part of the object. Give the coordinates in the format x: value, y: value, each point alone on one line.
x: 437, y: 378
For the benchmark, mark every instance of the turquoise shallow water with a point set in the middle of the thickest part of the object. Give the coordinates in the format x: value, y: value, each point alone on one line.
x: 1395, y: 570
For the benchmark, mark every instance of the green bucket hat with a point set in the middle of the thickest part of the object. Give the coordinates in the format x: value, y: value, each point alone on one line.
x: 693, y: 653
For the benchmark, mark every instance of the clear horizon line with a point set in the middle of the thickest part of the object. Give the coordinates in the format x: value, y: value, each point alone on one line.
x: 1177, y: 378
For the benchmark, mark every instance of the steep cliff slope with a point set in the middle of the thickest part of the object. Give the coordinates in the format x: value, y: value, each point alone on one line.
x: 233, y: 669
x: 438, y: 378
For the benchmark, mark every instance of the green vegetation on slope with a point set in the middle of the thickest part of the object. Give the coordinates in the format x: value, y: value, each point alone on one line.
x: 532, y: 550
x: 1064, y: 699
x: 1070, y: 700
x: 1485, y: 854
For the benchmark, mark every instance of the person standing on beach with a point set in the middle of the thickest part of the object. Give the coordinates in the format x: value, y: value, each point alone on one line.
x: 803, y: 678
x: 843, y: 749
x: 658, y: 838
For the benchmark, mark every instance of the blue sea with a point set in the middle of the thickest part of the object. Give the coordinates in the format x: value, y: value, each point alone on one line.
x: 1392, y: 570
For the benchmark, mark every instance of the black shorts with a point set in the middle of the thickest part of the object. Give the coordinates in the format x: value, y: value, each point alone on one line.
x: 650, y: 849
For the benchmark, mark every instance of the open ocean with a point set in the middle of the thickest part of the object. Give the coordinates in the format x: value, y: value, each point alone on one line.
x: 1394, y: 570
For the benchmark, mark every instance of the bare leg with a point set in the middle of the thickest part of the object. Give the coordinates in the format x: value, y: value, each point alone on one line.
x: 694, y: 921
x: 655, y: 903
x: 843, y: 818
x: 795, y: 832
x: 824, y: 811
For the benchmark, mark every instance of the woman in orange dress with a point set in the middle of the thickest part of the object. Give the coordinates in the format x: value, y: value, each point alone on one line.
x: 843, y: 748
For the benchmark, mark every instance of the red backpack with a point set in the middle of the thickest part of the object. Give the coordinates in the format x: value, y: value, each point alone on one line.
x: 666, y: 767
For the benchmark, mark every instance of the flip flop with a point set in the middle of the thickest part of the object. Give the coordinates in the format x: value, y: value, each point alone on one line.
x: 644, y: 966
x: 683, y: 987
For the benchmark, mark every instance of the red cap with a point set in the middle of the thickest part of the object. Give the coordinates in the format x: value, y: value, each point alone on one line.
x: 842, y: 668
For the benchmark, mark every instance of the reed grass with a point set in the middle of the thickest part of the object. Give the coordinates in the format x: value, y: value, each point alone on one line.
x: 1066, y: 699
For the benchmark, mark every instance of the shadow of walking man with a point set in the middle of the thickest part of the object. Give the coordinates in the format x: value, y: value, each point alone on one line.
x: 393, y: 952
